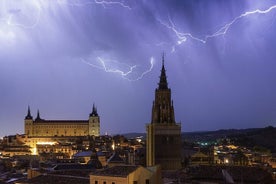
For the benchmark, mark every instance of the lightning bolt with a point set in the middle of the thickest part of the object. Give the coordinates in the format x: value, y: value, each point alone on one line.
x: 182, y: 37
x: 147, y: 71
x: 11, y: 16
x: 126, y: 74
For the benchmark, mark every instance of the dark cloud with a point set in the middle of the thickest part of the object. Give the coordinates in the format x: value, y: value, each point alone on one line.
x: 50, y: 50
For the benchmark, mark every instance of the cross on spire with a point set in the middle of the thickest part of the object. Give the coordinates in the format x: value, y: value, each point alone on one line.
x: 163, y: 56
x: 163, y: 84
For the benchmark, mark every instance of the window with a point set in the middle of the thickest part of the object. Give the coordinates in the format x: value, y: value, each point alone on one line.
x: 147, y: 181
x: 104, y: 182
x: 113, y: 183
x: 96, y: 182
x: 135, y: 182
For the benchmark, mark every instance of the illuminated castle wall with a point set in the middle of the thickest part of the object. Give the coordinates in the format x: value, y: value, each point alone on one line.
x: 39, y: 127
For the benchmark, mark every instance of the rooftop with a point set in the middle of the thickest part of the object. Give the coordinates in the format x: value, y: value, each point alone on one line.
x: 115, y: 158
x: 74, y: 167
x: 118, y: 171
x: 57, y: 179
x: 83, y: 154
x: 60, y: 121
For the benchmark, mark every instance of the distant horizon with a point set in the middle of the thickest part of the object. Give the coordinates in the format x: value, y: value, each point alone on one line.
x: 210, y: 130
x: 181, y: 131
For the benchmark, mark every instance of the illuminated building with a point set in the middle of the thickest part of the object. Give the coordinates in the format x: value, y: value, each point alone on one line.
x: 200, y: 158
x: 14, y: 145
x: 163, y: 133
x: 127, y: 174
x: 39, y: 127
x: 44, y: 134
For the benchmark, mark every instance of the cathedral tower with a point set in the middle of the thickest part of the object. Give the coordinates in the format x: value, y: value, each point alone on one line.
x: 163, y: 133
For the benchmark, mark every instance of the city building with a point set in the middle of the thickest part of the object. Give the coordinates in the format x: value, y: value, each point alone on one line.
x: 39, y: 127
x: 115, y: 160
x: 58, y: 150
x: 126, y: 175
x: 13, y: 145
x: 200, y: 158
x: 163, y: 133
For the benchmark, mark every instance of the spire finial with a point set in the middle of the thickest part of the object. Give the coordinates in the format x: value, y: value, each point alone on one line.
x: 163, y: 58
x: 163, y: 78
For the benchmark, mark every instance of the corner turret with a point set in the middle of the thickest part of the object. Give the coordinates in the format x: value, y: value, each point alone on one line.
x: 29, y: 116
x: 38, y: 116
x: 94, y: 111
x: 94, y: 122
x: 28, y: 123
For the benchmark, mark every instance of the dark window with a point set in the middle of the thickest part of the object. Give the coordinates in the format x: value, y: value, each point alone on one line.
x: 104, y: 182
x: 96, y: 182
x: 135, y: 182
x: 113, y: 182
x: 147, y: 181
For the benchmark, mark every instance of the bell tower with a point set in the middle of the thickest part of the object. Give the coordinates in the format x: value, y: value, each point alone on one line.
x: 163, y: 133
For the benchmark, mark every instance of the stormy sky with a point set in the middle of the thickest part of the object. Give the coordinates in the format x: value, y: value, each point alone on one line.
x: 61, y: 56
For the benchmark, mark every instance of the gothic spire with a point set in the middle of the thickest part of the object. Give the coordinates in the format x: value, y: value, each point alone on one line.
x: 94, y: 111
x: 37, y: 116
x: 29, y: 116
x: 163, y: 84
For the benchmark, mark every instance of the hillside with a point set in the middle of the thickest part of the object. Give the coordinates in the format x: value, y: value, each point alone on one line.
x: 252, y: 137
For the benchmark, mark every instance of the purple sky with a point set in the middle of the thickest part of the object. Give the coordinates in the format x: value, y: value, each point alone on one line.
x: 61, y: 56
